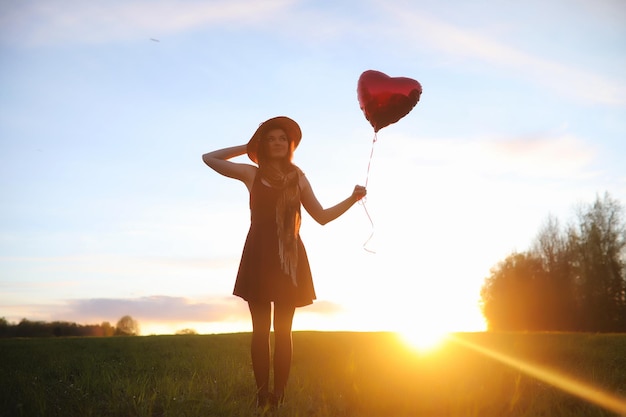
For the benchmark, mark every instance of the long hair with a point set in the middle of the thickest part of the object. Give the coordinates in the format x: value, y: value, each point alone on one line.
x: 286, y: 179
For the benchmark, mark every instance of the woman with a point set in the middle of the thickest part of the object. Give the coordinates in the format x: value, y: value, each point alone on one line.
x: 274, y: 267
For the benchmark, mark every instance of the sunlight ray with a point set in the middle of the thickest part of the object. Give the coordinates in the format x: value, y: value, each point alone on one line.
x: 609, y: 401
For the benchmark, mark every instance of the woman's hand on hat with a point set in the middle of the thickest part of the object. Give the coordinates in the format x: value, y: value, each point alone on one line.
x: 359, y: 192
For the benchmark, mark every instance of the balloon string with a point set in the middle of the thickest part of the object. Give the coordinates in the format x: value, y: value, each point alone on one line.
x: 369, y: 164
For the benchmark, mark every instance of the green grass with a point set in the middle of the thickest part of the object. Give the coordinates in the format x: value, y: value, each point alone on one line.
x: 334, y: 374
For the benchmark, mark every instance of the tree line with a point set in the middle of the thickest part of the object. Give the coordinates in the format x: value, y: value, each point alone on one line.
x: 573, y: 277
x: 126, y: 326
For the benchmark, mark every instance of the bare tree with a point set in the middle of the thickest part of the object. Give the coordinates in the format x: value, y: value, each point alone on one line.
x: 599, y: 245
x: 553, y: 248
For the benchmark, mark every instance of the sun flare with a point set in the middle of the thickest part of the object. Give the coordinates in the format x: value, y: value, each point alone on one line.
x: 424, y: 339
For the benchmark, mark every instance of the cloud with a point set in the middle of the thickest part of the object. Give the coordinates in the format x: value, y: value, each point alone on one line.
x: 62, y: 21
x: 158, y: 308
x: 424, y: 29
x: 560, y: 156
x: 554, y: 156
x: 74, y: 21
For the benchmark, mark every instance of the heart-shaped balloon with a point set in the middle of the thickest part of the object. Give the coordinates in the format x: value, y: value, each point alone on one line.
x: 385, y: 100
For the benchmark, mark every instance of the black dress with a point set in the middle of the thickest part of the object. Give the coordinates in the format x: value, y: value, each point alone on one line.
x: 260, y: 277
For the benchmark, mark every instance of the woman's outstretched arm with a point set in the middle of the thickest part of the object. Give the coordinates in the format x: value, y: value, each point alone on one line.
x: 315, y: 209
x: 219, y: 161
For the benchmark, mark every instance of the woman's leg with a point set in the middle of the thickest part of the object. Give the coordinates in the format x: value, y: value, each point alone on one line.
x: 283, y: 349
x: 261, y: 314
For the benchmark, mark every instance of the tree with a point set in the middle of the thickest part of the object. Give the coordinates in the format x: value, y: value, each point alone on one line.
x: 186, y: 332
x: 127, y: 326
x: 553, y: 247
x: 509, y: 300
x: 28, y: 328
x: 573, y: 279
x: 599, y: 244
x: 107, y: 329
x: 4, y: 327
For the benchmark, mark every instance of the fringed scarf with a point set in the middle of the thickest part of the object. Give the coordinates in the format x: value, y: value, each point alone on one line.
x: 287, y: 216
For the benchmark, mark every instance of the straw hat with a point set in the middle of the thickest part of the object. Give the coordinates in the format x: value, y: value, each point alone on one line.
x: 289, y: 126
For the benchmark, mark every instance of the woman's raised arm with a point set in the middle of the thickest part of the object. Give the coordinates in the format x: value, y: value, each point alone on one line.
x: 219, y: 161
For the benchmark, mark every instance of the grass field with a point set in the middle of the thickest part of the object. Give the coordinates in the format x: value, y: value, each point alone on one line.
x: 334, y: 374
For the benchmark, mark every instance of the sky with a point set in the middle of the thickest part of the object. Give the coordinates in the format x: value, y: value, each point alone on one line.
x: 106, y: 108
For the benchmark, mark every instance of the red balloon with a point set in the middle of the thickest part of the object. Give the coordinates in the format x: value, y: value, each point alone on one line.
x: 385, y: 100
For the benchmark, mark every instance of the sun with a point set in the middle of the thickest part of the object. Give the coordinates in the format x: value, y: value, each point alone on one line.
x: 428, y: 335
x: 424, y: 338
